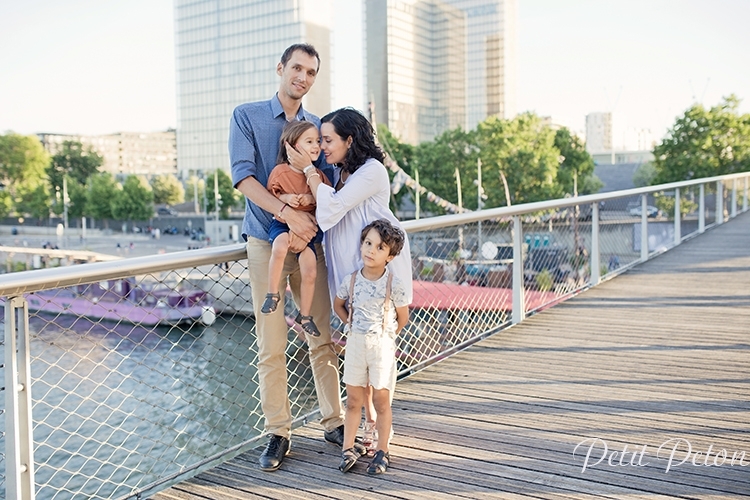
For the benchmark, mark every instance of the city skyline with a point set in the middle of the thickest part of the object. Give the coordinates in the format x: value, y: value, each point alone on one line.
x: 81, y: 70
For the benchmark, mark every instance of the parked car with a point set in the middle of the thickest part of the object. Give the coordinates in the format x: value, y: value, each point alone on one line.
x: 166, y: 211
x: 651, y: 211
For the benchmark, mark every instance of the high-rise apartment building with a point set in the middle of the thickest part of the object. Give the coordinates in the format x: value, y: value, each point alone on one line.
x: 226, y: 53
x: 126, y: 153
x: 433, y: 65
x: 599, y: 132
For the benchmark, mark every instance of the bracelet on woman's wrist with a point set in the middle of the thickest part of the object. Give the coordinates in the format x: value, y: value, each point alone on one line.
x: 307, y: 169
x: 314, y: 174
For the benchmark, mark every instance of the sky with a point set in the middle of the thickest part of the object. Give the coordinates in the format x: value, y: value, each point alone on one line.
x: 94, y: 67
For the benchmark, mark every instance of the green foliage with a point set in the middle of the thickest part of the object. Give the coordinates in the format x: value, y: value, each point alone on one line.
x: 577, y: 165
x: 704, y: 143
x: 100, y: 193
x: 77, y: 196
x: 524, y: 149
x: 644, y: 175
x: 437, y: 162
x: 544, y: 281
x: 17, y: 266
x: 401, y: 153
x: 134, y: 202
x: 22, y: 165
x: 167, y: 189
x: 665, y: 203
x: 75, y: 160
x: 228, y: 196
x: 35, y: 202
x: 6, y: 203
x: 537, y: 162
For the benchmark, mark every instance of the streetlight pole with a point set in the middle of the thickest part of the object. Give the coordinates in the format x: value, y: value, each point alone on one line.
x: 205, y: 206
x: 460, y: 210
x: 480, y: 197
x: 195, y: 193
x: 416, y: 194
x: 217, y: 197
x: 65, y: 202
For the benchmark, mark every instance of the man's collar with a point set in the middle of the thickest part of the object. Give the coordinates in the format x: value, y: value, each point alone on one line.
x: 277, y: 109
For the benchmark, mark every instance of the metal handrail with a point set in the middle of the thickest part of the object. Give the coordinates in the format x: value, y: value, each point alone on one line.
x: 32, y: 281
x: 45, y: 279
x: 538, y: 206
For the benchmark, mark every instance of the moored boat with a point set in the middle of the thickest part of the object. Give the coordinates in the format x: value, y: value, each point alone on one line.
x: 146, y: 303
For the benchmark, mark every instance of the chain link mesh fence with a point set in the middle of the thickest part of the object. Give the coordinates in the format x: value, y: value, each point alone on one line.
x: 141, y: 379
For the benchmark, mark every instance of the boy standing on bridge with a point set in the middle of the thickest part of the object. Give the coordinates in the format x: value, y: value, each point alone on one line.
x: 372, y: 303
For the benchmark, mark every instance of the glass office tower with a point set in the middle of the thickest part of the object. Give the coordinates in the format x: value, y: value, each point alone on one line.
x: 416, y: 68
x: 491, y: 57
x: 227, y: 52
x: 434, y: 65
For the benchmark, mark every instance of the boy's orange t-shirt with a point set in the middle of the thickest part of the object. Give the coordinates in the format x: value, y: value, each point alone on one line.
x: 285, y: 180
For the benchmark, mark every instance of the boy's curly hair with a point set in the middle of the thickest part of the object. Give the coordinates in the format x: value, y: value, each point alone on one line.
x: 389, y: 234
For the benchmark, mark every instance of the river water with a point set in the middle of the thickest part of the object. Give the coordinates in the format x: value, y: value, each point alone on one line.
x: 117, y: 406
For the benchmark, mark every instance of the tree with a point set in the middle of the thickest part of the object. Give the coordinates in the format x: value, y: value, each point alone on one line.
x: 22, y: 164
x: 577, y: 166
x: 228, y: 196
x: 6, y: 202
x: 167, y: 189
x: 102, y: 190
x: 438, y: 160
x: 75, y: 160
x: 524, y: 150
x: 704, y: 143
x: 644, y: 174
x: 35, y: 202
x: 134, y: 202
x: 402, y: 154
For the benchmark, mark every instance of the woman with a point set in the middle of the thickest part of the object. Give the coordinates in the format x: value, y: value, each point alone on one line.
x: 360, y: 194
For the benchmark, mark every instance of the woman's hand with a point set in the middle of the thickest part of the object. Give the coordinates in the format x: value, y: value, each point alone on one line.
x: 297, y: 159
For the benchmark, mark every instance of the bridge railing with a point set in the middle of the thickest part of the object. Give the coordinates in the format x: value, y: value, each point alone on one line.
x: 121, y: 378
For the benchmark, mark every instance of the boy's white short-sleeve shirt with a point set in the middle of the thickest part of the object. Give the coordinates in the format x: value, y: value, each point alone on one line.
x: 368, y: 299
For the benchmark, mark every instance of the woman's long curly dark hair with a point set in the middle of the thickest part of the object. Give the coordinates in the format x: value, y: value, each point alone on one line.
x: 348, y: 122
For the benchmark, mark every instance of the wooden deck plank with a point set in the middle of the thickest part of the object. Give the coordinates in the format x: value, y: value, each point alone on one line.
x: 660, y: 352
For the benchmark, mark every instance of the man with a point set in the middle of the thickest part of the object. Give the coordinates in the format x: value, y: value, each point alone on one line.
x: 255, y: 131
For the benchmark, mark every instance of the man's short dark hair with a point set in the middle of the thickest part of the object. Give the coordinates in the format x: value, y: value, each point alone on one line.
x: 389, y: 234
x: 304, y: 47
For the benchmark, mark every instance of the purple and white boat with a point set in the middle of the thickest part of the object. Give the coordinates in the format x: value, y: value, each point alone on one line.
x: 147, y: 304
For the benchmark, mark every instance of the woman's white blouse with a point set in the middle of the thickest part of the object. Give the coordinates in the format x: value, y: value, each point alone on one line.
x: 344, y: 213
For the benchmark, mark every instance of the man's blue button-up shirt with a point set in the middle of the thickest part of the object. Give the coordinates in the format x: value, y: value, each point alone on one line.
x: 254, y: 134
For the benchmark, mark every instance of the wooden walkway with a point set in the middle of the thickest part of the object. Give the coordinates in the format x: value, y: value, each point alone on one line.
x: 659, y: 353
